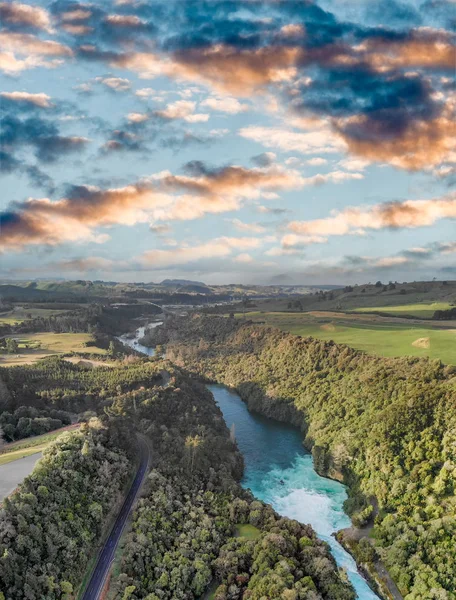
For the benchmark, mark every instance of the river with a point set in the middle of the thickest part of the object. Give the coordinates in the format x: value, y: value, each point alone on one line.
x: 279, y: 471
x: 133, y: 342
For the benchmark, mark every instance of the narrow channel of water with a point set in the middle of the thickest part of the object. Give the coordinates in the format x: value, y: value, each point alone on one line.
x: 280, y: 472
x: 132, y: 341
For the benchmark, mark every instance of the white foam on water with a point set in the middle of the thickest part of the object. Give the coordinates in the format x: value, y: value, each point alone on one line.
x: 298, y: 492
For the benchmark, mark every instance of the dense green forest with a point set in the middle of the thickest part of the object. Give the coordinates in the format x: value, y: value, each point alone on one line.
x: 387, y: 427
x: 51, y: 525
x: 59, y: 384
x: 27, y: 421
x: 184, y: 528
x: 95, y: 318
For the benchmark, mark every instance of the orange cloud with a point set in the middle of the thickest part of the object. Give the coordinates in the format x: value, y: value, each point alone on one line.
x: 23, y: 14
x: 35, y: 51
x: 41, y: 100
x: 356, y: 220
x: 226, y: 68
x: 424, y: 47
x: 161, y: 197
x: 217, y: 248
x: 422, y: 144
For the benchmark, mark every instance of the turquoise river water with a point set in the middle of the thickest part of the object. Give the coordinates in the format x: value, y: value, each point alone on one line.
x: 280, y: 471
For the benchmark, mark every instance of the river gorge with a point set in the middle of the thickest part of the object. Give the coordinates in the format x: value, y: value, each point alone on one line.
x: 279, y: 471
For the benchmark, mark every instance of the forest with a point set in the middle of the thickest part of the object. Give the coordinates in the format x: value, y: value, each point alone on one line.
x: 50, y: 526
x: 386, y: 427
x: 185, y: 532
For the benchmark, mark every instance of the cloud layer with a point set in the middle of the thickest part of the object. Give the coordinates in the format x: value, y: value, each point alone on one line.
x: 358, y: 220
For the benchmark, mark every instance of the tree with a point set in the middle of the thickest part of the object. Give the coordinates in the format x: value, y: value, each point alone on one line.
x: 12, y: 346
x: 192, y: 443
x: 128, y: 592
x: 112, y: 348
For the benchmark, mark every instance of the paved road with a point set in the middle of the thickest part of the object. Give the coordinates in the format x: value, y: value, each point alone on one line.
x: 13, y: 473
x: 106, y: 555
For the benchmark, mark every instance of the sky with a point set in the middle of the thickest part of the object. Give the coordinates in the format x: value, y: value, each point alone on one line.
x: 293, y: 142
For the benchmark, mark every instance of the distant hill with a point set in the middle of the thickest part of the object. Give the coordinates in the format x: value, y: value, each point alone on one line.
x: 175, y: 282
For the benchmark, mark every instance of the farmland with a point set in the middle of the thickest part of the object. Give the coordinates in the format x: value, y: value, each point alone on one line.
x: 34, y: 346
x: 386, y: 337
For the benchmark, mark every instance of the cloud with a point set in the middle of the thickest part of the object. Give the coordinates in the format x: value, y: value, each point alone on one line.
x: 217, y: 248
x: 283, y: 251
x: 144, y: 93
x: 265, y: 159
x: 353, y: 164
x: 310, y: 142
x: 244, y: 258
x: 401, y: 139
x: 10, y: 164
x: 225, y: 104
x: 160, y: 197
x: 41, y: 100
x: 182, y: 109
x: 74, y: 29
x: 225, y: 68
x: 250, y: 227
x: 41, y: 135
x: 389, y: 215
x: 120, y: 140
x: 160, y: 229
x: 14, y: 14
x: 117, y: 84
x: 375, y: 88
x: 131, y: 21
x: 267, y: 210
x: 316, y: 162
x: 36, y: 52
x: 77, y: 14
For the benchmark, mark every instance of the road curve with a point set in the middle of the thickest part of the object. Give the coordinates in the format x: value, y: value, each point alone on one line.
x: 106, y: 555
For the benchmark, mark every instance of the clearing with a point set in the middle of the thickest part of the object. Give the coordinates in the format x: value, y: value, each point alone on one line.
x: 32, y: 445
x: 385, y: 337
x: 421, y: 311
x: 33, y: 346
x: 21, y: 313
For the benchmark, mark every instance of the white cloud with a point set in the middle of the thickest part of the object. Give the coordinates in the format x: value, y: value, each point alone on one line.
x: 244, y: 258
x: 217, y: 248
x: 225, y: 104
x: 182, y: 109
x: 36, y: 52
x: 322, y: 140
x: 250, y: 227
x: 354, y: 164
x: 316, y: 162
x: 41, y: 100
x: 118, y: 84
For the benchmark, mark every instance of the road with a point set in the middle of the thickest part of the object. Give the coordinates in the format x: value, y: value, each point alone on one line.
x: 13, y: 473
x: 106, y: 555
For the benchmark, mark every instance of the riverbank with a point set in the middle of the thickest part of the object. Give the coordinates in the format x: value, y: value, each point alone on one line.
x: 373, y: 570
x: 279, y: 471
x: 352, y: 409
x: 289, y: 439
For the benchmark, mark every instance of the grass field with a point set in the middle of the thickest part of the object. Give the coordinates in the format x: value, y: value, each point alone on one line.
x: 20, y: 314
x: 421, y: 311
x: 33, y: 346
x: 28, y: 446
x: 247, y: 531
x: 385, y: 339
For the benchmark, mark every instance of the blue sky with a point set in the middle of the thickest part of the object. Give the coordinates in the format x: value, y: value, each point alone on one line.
x: 248, y: 142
